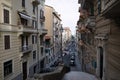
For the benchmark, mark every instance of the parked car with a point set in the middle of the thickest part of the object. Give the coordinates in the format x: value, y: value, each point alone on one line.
x: 72, y: 57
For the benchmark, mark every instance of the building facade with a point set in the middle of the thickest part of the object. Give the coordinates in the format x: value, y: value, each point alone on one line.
x: 57, y: 34
x: 66, y: 35
x: 53, y: 38
x: 99, y: 22
x: 19, y: 49
x: 41, y: 35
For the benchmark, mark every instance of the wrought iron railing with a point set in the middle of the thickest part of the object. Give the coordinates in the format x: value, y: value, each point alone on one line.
x: 26, y: 48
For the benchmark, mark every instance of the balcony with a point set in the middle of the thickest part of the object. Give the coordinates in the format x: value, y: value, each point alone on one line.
x: 26, y: 29
x: 35, y: 2
x: 48, y: 45
x: 111, y: 9
x: 26, y: 49
x: 82, y: 30
x: 43, y: 31
x: 90, y: 22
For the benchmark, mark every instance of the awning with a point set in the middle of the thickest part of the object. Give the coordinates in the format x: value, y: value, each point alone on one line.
x: 24, y: 16
x: 47, y: 37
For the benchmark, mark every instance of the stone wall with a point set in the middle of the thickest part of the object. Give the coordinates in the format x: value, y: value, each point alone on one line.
x: 55, y: 75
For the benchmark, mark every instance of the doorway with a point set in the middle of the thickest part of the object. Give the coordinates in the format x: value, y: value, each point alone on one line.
x: 42, y: 64
x: 101, y: 62
x: 24, y: 68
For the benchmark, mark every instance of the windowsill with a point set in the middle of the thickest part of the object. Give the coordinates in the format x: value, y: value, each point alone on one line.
x: 6, y: 23
x: 8, y: 76
x: 7, y: 49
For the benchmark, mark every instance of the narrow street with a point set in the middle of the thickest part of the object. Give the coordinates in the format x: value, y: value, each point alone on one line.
x: 75, y: 70
x: 59, y: 40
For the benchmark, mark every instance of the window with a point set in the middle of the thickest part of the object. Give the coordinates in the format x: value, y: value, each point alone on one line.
x: 35, y: 69
x: 34, y: 24
x: 23, y: 3
x: 24, y: 22
x: 6, y: 16
x: 99, y: 6
x: 92, y: 9
x: 41, y: 14
x: 41, y: 50
x: 7, y: 68
x: 33, y: 9
x: 34, y: 39
x: 7, y: 41
x: 34, y: 54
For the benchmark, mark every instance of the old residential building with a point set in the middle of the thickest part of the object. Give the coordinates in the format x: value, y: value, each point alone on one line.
x: 86, y: 25
x: 19, y: 38
x: 104, y: 40
x: 53, y: 37
x: 42, y: 32
x: 49, y: 38
x: 57, y: 34
x: 66, y: 34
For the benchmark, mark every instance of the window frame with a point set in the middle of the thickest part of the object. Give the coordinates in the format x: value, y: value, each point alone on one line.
x: 23, y: 3
x: 6, y: 16
x: 41, y: 14
x: 34, y: 9
x: 99, y: 7
x: 34, y: 39
x: 34, y: 24
x: 34, y: 54
x: 24, y: 22
x: 11, y: 68
x: 6, y: 42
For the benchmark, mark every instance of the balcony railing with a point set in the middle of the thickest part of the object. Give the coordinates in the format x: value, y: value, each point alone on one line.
x: 48, y: 45
x: 43, y: 31
x: 26, y: 48
x: 25, y: 28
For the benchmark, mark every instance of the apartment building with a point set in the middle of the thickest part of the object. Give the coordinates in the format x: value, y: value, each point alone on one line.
x: 53, y: 37
x: 85, y: 28
x: 57, y: 34
x: 66, y: 34
x: 105, y: 36
x: 19, y: 49
x: 42, y: 32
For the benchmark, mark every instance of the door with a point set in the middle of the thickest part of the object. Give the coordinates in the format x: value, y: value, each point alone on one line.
x: 101, y: 62
x: 24, y: 68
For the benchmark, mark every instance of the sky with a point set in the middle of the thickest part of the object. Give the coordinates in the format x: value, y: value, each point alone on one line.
x: 68, y: 9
